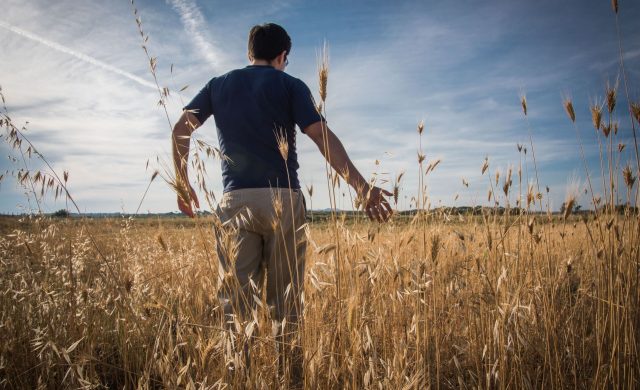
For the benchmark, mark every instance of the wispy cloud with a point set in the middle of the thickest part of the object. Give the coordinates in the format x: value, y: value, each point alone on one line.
x: 78, y: 55
x: 194, y: 23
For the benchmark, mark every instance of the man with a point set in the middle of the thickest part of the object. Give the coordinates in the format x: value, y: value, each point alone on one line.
x: 256, y: 109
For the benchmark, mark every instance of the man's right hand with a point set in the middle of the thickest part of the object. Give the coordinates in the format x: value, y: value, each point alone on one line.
x: 186, y: 205
x: 376, y: 205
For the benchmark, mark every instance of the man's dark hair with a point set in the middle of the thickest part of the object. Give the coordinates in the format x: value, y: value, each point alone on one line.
x: 267, y: 41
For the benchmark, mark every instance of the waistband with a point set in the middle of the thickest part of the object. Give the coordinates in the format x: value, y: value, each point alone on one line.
x: 264, y: 191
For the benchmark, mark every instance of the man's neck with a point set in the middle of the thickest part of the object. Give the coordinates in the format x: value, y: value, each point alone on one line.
x: 261, y: 62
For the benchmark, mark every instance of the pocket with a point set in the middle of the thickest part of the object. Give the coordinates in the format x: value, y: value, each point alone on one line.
x: 220, y: 213
x: 224, y: 209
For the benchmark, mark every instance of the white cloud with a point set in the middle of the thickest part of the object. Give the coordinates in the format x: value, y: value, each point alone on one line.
x: 80, y: 56
x: 194, y: 25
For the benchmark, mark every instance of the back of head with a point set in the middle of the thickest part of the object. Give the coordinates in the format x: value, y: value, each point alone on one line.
x: 267, y: 41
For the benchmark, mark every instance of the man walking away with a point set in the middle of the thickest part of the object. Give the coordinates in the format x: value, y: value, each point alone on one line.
x: 256, y: 110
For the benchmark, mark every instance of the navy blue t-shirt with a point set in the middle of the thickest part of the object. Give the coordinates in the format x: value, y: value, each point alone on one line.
x: 249, y: 106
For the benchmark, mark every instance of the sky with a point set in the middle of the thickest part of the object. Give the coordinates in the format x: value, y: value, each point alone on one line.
x: 75, y: 75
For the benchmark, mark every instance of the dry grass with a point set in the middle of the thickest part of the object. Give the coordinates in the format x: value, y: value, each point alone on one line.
x: 492, y: 304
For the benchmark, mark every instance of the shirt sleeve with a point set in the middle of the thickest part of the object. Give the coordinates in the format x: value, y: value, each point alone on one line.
x: 305, y: 111
x: 201, y: 105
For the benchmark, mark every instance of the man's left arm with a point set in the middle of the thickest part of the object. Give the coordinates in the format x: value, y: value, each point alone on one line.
x: 375, y: 204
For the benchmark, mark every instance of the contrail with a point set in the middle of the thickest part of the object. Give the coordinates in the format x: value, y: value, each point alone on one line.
x: 76, y: 54
x: 194, y: 22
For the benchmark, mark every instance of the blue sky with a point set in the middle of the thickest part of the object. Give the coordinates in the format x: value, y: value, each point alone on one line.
x: 75, y: 71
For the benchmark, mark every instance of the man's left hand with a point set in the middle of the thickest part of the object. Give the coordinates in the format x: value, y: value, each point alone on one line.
x: 376, y: 205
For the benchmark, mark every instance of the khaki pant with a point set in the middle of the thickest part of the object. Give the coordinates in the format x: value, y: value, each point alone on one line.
x: 261, y: 237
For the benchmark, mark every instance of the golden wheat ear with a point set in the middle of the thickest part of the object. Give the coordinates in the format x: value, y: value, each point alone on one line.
x: 629, y: 179
x: 323, y: 73
x: 283, y: 145
x: 568, y: 107
x: 635, y: 110
x: 596, y: 115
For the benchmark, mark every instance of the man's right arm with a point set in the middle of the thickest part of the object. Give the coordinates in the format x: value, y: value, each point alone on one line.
x: 376, y: 206
x: 180, y: 144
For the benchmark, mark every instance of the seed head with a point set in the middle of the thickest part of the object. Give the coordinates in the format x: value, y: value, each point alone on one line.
x: 568, y: 107
x: 161, y: 242
x: 276, y: 201
x: 507, y: 183
x: 635, y: 109
x: 396, y: 193
x: 523, y: 101
x: 432, y: 165
x: 420, y: 127
x: 629, y: 179
x: 345, y: 174
x: 568, y: 206
x: 611, y: 98
x: 596, y: 115
x: 530, y: 195
x: 181, y: 188
x: 335, y: 180
x: 606, y: 130
x: 614, y: 5
x: 323, y: 72
x: 283, y: 145
x: 573, y: 191
x: 485, y: 165
x: 324, y: 76
x: 396, y: 187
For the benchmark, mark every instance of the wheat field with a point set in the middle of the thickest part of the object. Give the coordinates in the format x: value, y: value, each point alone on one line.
x: 447, y: 301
